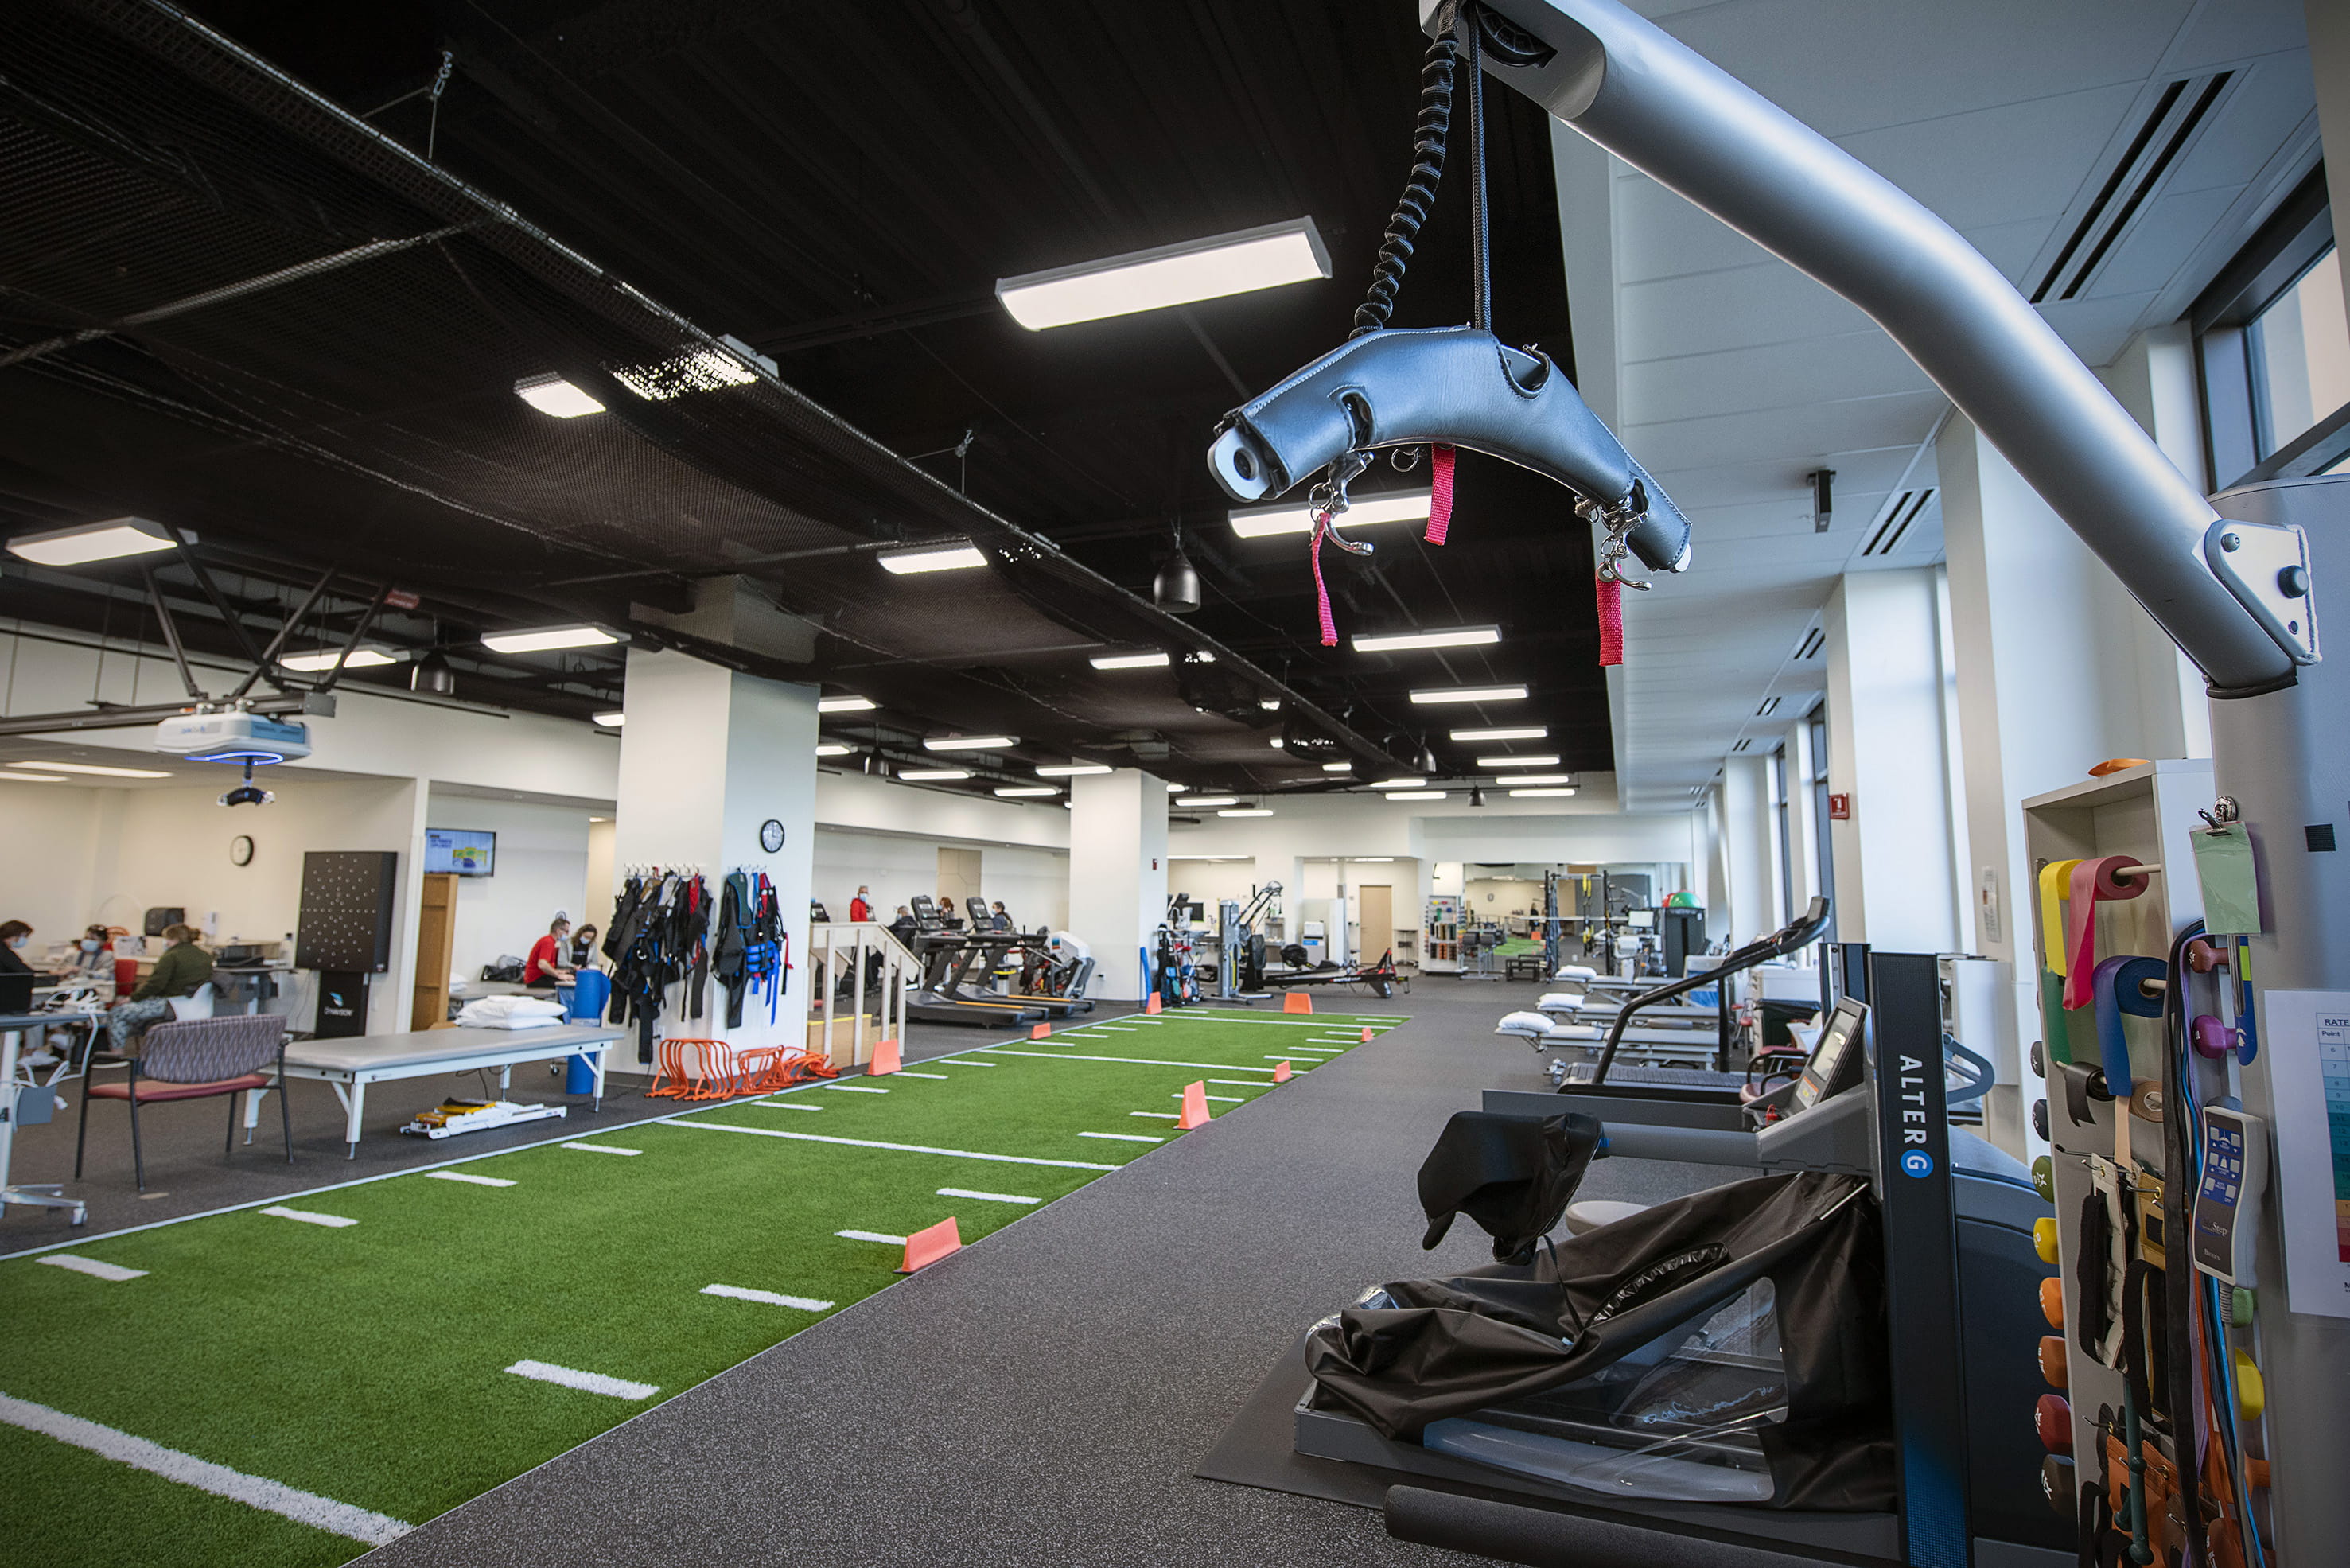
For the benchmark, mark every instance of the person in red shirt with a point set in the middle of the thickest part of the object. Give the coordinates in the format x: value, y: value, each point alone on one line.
x: 545, y: 968
x: 860, y: 907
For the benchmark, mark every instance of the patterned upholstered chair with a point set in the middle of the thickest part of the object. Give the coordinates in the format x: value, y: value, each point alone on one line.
x: 198, y: 1060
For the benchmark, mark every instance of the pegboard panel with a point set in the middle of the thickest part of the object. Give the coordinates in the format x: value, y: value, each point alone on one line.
x: 346, y: 918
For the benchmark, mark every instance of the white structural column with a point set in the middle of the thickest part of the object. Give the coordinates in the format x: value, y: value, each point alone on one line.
x: 1887, y: 754
x: 1751, y: 853
x: 707, y: 757
x: 1117, y: 874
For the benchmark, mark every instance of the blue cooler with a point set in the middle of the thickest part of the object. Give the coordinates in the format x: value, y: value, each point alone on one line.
x: 589, y: 995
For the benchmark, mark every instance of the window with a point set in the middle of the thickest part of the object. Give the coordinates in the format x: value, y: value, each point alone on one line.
x: 1779, y: 812
x: 2272, y: 342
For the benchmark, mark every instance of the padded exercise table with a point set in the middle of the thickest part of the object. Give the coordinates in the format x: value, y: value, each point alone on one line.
x: 351, y: 1065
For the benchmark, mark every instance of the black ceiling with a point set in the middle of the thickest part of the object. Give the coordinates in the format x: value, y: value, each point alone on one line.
x: 838, y: 187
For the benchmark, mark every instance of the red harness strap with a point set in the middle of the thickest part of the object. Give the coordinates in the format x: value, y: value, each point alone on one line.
x: 1440, y: 504
x: 1321, y: 593
x: 1611, y: 620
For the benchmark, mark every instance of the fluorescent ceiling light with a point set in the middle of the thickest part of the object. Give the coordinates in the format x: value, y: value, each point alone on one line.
x: 1457, y: 637
x: 1071, y: 770
x: 1522, y: 732
x: 551, y: 394
x: 1177, y: 789
x: 1401, y: 783
x: 1539, y: 794
x: 937, y: 558
x: 1270, y: 704
x: 1278, y: 742
x: 323, y: 658
x: 547, y: 639
x: 1390, y: 506
x: 1338, y: 767
x: 1130, y: 662
x: 1549, y: 762
x: 1471, y: 694
x: 1208, y: 268
x: 1373, y: 859
x: 703, y: 371
x: 932, y: 776
x: 832, y: 749
x: 1014, y: 791
x: 1416, y: 794
x: 31, y: 778
x: 1544, y: 779
x: 1175, y: 858
x: 843, y: 704
x: 78, y: 545
x: 1246, y: 811
x: 612, y: 720
x: 93, y: 769
x: 1204, y: 801
x: 970, y: 743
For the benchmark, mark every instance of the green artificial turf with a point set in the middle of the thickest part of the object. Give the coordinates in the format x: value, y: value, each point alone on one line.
x: 366, y: 1364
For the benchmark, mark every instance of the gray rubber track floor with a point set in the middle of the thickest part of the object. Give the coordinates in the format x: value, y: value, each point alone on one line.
x: 1043, y: 1398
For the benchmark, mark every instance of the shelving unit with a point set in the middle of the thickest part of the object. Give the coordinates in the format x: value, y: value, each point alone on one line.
x: 1442, y: 952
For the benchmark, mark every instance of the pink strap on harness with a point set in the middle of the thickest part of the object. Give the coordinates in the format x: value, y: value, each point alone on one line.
x: 1321, y: 593
x: 1440, y: 504
x: 1611, y: 621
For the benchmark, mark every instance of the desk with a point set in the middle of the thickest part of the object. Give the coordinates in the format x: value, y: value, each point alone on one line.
x: 350, y: 1065
x: 39, y: 1195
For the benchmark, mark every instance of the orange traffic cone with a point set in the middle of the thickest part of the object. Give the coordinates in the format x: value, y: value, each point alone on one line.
x: 1151, y: 1004
x: 1367, y: 1036
x: 1281, y: 1072
x: 885, y: 1059
x: 1296, y: 1002
x: 930, y: 1244
x: 1195, y: 1107
x: 1041, y: 1031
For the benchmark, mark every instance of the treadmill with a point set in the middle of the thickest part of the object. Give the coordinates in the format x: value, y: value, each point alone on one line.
x: 940, y: 1001
x: 987, y: 943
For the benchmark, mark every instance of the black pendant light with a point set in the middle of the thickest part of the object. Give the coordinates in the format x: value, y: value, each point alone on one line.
x: 433, y: 675
x: 1176, y: 588
x: 1476, y: 795
x: 1428, y: 759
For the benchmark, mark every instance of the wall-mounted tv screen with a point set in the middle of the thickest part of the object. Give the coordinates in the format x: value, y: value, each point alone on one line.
x: 461, y: 850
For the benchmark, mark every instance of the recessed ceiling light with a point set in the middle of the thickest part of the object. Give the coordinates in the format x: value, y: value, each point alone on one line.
x: 1277, y: 743
x: 1072, y: 770
x: 87, y: 542
x: 970, y: 743
x: 93, y: 769
x: 1544, y: 779
x: 843, y: 704
x: 1521, y: 732
x: 1166, y: 275
x: 832, y: 749
x: 322, y: 658
x: 1270, y: 704
x: 1549, y: 762
x: 1130, y: 662
x: 612, y: 720
x: 1539, y: 793
x: 1470, y: 694
x: 551, y: 394
x: 935, y: 558
x: 1416, y: 794
x: 932, y: 776
x: 1457, y: 637
x: 599, y: 819
x: 545, y: 639
x: 1012, y: 792
x: 1338, y: 767
x: 1204, y: 801
x: 31, y: 778
x: 1394, y: 507
x: 1246, y: 811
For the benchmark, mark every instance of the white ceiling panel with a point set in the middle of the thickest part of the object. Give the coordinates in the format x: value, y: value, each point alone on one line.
x: 1865, y: 364
x: 2018, y: 160
x: 1745, y: 308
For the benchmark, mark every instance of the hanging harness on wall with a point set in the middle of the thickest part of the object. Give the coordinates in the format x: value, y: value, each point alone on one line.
x: 656, y: 937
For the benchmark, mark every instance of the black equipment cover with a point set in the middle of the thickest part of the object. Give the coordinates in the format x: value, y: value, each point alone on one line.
x: 1452, y: 1347
x: 1514, y: 1176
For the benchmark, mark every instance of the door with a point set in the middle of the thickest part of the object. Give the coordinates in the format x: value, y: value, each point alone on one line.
x: 436, y: 936
x: 1377, y: 929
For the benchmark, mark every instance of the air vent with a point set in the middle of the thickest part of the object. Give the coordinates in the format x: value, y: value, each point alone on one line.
x: 1744, y: 744
x: 1814, y: 640
x: 2154, y: 150
x: 1769, y: 706
x: 1895, y: 525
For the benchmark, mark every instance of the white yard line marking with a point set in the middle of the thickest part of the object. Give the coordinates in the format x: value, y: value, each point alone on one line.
x: 255, y: 1491
x: 1276, y: 1023
x: 872, y: 1236
x: 93, y: 1268
x: 986, y: 1197
x: 1242, y: 1082
x: 1137, y: 1060
x: 952, y: 1063
x: 280, y: 1212
x: 1171, y: 1116
x: 586, y: 1382
x: 600, y: 1148
x: 1228, y: 1099
x: 743, y: 1294
x: 909, y: 1073
x: 1114, y: 1028
x: 857, y: 1088
x: 462, y: 1175
x: 782, y: 1105
x: 900, y: 1147
x: 1292, y: 1056
x: 1126, y: 1137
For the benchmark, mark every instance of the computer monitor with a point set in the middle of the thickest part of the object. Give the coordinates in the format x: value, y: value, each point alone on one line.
x: 1640, y: 919
x: 1835, y: 1059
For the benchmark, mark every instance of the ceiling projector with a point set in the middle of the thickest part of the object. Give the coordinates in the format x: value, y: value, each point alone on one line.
x: 234, y: 736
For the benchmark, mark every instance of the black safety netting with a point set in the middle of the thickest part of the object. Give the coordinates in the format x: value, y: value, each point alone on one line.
x: 224, y: 302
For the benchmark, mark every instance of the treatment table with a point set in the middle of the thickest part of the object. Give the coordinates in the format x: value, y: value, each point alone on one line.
x: 351, y: 1065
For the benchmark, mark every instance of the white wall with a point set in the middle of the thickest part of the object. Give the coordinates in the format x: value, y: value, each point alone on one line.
x: 541, y: 868
x: 51, y: 832
x: 1034, y: 884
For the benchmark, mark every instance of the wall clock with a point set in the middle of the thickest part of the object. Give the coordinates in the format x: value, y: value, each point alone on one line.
x: 771, y: 836
x: 240, y: 850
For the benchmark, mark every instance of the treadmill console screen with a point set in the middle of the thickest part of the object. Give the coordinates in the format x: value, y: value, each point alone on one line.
x: 1835, y: 1060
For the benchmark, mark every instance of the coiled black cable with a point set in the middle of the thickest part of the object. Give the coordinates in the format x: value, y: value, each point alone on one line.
x: 1420, y: 192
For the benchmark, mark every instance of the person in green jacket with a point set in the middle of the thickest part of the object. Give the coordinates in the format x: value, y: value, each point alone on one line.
x: 181, y: 971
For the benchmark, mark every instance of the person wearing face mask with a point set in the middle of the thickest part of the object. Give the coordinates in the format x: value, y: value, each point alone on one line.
x: 14, y: 936
x: 93, y: 956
